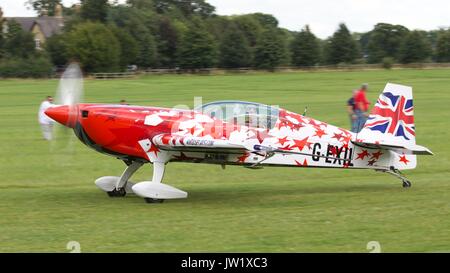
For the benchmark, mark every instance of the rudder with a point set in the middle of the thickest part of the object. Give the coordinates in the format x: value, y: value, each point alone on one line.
x: 391, y: 120
x: 390, y: 126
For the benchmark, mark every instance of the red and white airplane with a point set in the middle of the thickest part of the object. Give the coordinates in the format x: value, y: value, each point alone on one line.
x: 240, y: 133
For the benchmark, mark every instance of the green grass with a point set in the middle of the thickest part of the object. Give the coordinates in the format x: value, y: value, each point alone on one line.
x: 48, y: 196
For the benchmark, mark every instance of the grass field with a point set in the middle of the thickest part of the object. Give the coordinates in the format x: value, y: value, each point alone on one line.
x: 48, y: 196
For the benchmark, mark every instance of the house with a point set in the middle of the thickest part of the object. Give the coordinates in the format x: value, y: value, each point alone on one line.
x: 42, y: 27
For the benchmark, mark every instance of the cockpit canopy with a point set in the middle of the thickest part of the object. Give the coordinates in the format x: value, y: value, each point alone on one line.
x: 242, y: 113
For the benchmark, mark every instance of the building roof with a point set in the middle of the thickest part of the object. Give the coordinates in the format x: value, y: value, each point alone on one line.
x: 48, y: 25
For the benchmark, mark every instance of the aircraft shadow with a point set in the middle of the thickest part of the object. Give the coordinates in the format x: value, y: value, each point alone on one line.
x: 199, y: 195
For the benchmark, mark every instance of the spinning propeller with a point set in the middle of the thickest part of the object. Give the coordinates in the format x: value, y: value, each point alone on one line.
x: 68, y: 95
x: 70, y: 91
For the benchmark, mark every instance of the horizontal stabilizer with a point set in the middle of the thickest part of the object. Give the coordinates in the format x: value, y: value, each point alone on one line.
x: 407, y: 149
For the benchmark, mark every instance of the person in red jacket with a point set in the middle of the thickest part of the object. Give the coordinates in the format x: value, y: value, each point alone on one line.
x: 361, y: 106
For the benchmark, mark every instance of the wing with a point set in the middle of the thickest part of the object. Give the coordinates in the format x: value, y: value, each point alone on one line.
x: 171, y: 142
x: 207, y: 144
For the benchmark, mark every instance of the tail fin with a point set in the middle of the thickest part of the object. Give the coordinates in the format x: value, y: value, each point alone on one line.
x: 391, y: 122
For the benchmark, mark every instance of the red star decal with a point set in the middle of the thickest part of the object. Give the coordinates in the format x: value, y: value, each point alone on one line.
x: 298, y: 118
x: 243, y: 157
x: 333, y: 150
x: 313, y: 123
x: 323, y: 124
x: 286, y: 148
x: 305, y: 163
x: 371, y: 162
x: 346, y: 164
x: 320, y: 133
x: 282, y: 124
x: 345, y: 132
x: 282, y: 140
x: 377, y: 155
x: 337, y: 136
x: 154, y: 149
x: 404, y: 159
x: 362, y: 155
x: 346, y: 139
x: 261, y: 135
x: 297, y: 126
x: 300, y: 144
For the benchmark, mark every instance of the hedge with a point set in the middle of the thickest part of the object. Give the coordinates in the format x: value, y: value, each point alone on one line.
x: 38, y: 67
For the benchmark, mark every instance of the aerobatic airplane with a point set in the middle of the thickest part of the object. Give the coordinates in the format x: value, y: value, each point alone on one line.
x: 239, y: 133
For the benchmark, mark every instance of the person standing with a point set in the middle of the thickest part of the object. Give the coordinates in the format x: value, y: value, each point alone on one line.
x: 45, y: 122
x: 361, y: 107
x: 351, y: 107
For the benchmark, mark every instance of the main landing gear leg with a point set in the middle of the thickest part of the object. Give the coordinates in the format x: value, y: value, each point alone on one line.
x: 154, y: 191
x: 116, y: 186
x: 395, y: 172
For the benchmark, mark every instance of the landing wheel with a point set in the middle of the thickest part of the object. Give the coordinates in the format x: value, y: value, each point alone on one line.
x: 406, y: 184
x: 153, y: 200
x: 117, y: 192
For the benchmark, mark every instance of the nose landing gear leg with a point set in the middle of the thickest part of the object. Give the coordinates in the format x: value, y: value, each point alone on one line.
x: 116, y: 186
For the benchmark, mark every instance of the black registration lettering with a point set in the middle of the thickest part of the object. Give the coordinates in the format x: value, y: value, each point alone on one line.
x: 316, y: 152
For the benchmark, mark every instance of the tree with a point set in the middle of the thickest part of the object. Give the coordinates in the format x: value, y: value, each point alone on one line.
x: 443, y: 46
x: 266, y: 20
x: 18, y: 43
x: 138, y: 23
x: 202, y: 8
x: 305, y: 48
x: 129, y: 48
x: 234, y: 49
x: 432, y: 38
x: 141, y: 4
x: 385, y: 41
x: 198, y: 48
x: 2, y: 39
x: 57, y: 49
x: 363, y: 39
x: 270, y: 50
x: 44, y: 6
x: 94, y: 10
x: 193, y: 7
x: 147, y: 55
x: 168, y: 42
x: 161, y: 6
x: 250, y: 27
x: 95, y: 47
x: 341, y: 47
x: 414, y: 48
x: 217, y: 26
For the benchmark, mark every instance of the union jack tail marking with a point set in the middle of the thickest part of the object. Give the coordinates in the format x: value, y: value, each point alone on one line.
x: 392, y: 117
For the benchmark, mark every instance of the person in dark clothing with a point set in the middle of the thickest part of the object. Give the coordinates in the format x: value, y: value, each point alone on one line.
x: 351, y: 107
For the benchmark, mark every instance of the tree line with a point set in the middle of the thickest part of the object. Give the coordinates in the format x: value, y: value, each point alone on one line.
x: 188, y: 34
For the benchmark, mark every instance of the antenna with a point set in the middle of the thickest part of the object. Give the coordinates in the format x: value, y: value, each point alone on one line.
x: 306, y: 110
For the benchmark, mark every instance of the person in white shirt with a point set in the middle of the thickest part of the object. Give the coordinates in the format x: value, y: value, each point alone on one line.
x: 46, y: 122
